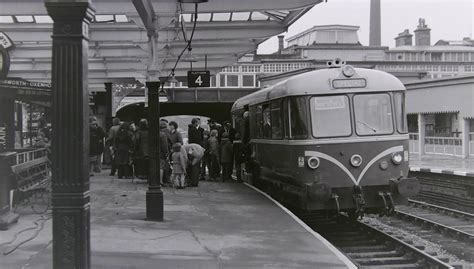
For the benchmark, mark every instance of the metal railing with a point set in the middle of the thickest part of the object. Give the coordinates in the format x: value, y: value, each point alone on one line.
x: 443, y: 145
x: 26, y: 155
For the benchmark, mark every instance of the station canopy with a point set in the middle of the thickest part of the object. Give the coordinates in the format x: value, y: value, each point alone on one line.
x: 120, y: 49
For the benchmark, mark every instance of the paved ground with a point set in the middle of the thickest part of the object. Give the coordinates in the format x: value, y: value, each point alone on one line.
x: 442, y: 164
x: 213, y: 226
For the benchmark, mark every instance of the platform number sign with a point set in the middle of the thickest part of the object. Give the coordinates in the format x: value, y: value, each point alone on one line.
x: 198, y: 79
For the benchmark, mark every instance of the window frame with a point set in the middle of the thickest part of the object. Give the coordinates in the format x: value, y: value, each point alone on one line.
x: 394, y: 126
x: 350, y: 109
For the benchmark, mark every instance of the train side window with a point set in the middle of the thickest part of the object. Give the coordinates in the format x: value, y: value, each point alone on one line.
x: 276, y: 122
x: 259, y: 120
x: 297, y: 125
x: 286, y: 120
x: 267, y: 122
x: 400, y: 112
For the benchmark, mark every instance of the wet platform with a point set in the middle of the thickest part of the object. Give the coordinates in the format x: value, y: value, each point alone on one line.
x: 442, y: 164
x: 215, y: 225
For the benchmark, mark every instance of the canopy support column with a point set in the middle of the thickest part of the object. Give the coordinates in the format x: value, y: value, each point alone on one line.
x: 154, y: 194
x: 70, y: 141
x: 421, y: 134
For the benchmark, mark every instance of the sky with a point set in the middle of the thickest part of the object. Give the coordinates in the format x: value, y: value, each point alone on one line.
x: 448, y: 19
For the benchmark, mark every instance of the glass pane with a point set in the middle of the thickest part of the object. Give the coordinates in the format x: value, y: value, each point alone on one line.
x: 267, y: 123
x: 222, y: 80
x: 43, y: 19
x: 373, y: 114
x: 259, y: 121
x: 330, y: 116
x: 400, y: 112
x: 248, y: 81
x: 276, y: 120
x: 232, y: 80
x: 297, y: 124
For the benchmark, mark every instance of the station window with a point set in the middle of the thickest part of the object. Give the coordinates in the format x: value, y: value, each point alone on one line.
x: 213, y: 81
x: 297, y: 118
x: 232, y: 81
x: 331, y: 116
x: 276, y: 122
x: 248, y: 81
x: 222, y: 80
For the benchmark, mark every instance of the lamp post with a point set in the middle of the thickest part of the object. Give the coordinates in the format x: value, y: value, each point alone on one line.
x: 154, y: 195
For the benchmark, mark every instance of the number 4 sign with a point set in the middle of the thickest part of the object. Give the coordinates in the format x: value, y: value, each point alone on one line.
x: 199, y: 79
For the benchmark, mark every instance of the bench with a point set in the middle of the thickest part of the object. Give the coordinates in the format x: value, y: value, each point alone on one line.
x: 31, y: 177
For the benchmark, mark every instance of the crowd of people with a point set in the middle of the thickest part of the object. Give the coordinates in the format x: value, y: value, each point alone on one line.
x: 208, y: 154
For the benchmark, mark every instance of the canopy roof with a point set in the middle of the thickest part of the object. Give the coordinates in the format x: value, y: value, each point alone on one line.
x: 120, y: 47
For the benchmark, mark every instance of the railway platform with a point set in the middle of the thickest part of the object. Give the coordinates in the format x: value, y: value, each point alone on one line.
x: 442, y: 164
x: 216, y: 225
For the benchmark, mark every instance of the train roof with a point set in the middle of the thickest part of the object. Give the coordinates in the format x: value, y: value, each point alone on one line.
x: 305, y: 84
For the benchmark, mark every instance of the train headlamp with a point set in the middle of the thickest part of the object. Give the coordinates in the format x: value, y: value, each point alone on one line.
x: 397, y: 158
x: 348, y: 71
x: 356, y: 160
x: 313, y: 162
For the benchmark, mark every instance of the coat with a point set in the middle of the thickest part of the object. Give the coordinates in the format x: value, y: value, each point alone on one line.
x: 112, y: 133
x: 175, y: 138
x: 226, y: 152
x: 229, y: 130
x: 141, y: 144
x: 179, y: 163
x: 194, y: 135
x: 123, y: 144
x: 96, y: 141
x: 164, y: 146
x: 213, y: 146
x: 195, y: 152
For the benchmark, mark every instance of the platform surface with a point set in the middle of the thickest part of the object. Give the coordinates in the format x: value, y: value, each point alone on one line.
x: 443, y: 164
x: 215, y: 225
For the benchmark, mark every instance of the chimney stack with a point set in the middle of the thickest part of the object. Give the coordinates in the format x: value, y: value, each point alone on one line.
x: 422, y: 34
x: 404, y: 39
x: 280, y: 43
x: 375, y: 28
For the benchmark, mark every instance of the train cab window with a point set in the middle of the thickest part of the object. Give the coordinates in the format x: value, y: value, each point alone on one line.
x: 276, y: 122
x: 267, y: 123
x: 400, y: 112
x: 331, y: 116
x: 259, y: 121
x: 297, y: 127
x: 373, y: 114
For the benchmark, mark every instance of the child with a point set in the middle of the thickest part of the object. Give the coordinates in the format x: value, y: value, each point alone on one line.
x: 213, y: 156
x: 226, y: 157
x: 179, y: 166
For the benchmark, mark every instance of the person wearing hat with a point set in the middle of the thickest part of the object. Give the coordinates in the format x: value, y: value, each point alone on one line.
x: 226, y: 128
x: 96, y: 145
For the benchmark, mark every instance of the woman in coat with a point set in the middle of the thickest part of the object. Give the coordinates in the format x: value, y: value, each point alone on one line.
x: 96, y: 147
x: 141, y: 153
x: 123, y: 144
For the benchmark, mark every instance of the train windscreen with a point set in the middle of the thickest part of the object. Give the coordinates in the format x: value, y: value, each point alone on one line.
x: 373, y: 114
x: 330, y: 116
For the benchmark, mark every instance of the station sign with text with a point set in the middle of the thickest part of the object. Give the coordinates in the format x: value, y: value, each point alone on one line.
x: 198, y: 79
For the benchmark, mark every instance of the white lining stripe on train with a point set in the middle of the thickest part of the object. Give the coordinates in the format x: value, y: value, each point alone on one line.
x: 343, y: 168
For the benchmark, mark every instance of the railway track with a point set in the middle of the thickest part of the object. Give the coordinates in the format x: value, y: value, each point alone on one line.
x: 370, y: 247
x: 451, y: 222
x: 449, y: 229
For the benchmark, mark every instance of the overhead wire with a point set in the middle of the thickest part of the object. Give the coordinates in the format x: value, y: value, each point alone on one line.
x: 188, y: 42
